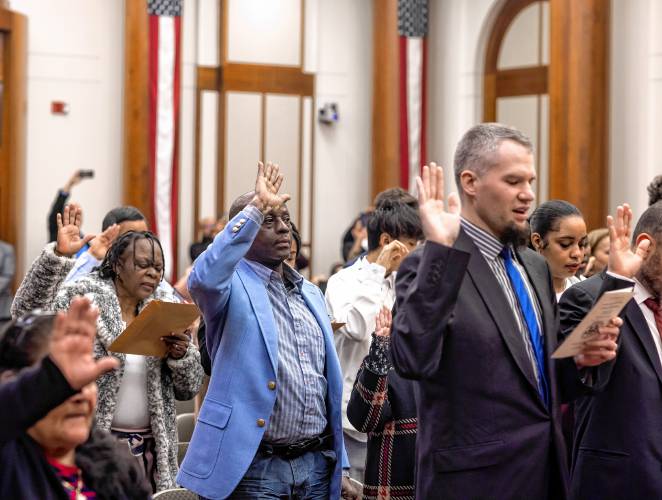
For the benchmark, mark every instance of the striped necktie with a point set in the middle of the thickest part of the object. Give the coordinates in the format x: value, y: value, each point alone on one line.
x: 529, y: 313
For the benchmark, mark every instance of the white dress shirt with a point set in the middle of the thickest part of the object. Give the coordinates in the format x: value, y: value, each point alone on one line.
x: 354, y: 296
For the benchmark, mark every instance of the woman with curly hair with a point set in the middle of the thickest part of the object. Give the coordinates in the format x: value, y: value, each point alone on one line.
x: 137, y: 401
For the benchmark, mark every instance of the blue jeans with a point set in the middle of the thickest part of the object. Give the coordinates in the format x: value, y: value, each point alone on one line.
x: 307, y: 477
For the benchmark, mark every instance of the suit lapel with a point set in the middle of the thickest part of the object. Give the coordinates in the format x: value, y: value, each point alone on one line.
x: 495, y: 300
x: 258, y: 297
x: 641, y: 329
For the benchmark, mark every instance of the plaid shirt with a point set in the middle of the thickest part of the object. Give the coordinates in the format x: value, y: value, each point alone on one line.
x: 382, y: 405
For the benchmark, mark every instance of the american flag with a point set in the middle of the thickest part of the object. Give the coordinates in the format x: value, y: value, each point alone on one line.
x: 164, y: 78
x: 412, y: 31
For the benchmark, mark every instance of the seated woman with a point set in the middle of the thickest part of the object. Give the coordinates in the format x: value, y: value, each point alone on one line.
x: 137, y: 401
x: 558, y: 233
x: 48, y: 449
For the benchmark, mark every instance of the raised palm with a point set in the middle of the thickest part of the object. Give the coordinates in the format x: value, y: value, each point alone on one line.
x: 383, y: 322
x: 69, y: 241
x: 623, y: 259
x: 268, y: 183
x: 440, y: 224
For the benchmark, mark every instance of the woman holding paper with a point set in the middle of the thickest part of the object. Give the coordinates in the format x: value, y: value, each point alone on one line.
x: 137, y: 401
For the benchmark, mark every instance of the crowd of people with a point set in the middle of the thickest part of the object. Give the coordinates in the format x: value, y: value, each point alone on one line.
x: 420, y: 368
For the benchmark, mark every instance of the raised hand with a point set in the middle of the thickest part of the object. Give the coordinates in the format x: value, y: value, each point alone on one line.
x: 69, y: 221
x: 439, y: 225
x: 391, y: 256
x: 622, y: 259
x: 100, y: 244
x: 268, y: 182
x: 72, y: 341
x: 383, y: 322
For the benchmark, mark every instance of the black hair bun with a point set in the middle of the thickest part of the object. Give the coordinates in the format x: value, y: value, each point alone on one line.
x: 655, y: 190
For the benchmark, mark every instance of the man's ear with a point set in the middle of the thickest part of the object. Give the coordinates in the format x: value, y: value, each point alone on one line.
x: 468, y: 182
x: 536, y: 241
x: 646, y: 236
x: 384, y: 239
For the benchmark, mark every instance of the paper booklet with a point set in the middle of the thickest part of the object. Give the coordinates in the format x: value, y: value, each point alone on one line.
x: 158, y: 319
x: 608, y: 306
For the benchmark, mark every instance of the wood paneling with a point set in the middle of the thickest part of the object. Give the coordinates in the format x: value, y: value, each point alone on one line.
x: 267, y: 79
x: 208, y: 77
x: 579, y: 103
x: 521, y: 81
x: 136, y: 181
x: 13, y: 28
x: 491, y: 81
x: 385, y: 116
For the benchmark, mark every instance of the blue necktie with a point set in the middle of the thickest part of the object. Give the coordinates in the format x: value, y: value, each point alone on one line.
x: 529, y: 314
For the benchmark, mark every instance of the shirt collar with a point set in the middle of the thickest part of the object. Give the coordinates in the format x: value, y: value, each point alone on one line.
x: 488, y: 244
x: 265, y: 274
x: 640, y: 293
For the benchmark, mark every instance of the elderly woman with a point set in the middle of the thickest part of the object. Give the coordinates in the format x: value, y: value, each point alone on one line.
x: 48, y: 449
x: 137, y: 401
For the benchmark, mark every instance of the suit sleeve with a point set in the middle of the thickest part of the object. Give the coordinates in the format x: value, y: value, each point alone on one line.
x: 211, y: 276
x: 427, y: 289
x: 574, y: 305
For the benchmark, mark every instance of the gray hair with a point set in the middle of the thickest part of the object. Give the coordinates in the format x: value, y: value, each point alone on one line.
x: 476, y: 148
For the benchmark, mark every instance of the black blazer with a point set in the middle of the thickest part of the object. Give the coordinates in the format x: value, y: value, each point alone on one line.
x: 617, y: 451
x: 484, y: 432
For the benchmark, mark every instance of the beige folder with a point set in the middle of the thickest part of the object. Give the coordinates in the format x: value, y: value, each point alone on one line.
x: 158, y: 319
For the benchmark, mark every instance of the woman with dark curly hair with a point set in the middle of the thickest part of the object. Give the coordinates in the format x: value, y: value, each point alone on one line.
x: 137, y: 401
x: 48, y: 448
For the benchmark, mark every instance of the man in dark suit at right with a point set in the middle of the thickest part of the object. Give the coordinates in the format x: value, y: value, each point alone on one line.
x: 476, y: 323
x: 617, y: 449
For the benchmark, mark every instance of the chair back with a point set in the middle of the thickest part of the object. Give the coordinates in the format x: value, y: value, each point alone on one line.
x: 185, y: 425
x: 175, y: 494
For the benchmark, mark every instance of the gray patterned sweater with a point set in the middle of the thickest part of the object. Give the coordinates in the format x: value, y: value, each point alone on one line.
x: 167, y: 379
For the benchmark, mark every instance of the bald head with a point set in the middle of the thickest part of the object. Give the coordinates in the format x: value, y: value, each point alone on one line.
x: 240, y: 203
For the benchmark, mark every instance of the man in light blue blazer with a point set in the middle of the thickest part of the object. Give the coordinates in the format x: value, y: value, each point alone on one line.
x: 270, y: 425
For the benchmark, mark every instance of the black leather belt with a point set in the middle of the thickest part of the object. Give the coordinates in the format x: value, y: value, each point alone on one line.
x: 295, y: 450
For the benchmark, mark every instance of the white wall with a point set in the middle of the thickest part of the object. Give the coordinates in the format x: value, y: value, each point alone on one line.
x: 342, y: 151
x: 636, y: 100
x: 75, y: 50
x: 455, y: 62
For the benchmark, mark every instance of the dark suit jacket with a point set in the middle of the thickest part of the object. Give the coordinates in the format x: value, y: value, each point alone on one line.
x: 617, y: 450
x: 484, y: 432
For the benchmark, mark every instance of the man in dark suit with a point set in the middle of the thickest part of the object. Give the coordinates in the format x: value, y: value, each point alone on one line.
x: 617, y: 450
x: 476, y: 324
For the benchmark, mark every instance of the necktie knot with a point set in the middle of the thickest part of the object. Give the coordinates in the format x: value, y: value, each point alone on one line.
x: 505, y: 253
x: 653, y: 305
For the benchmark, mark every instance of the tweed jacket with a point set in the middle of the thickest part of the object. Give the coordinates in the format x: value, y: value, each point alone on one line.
x: 383, y: 405
x: 42, y: 281
x: 167, y: 379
